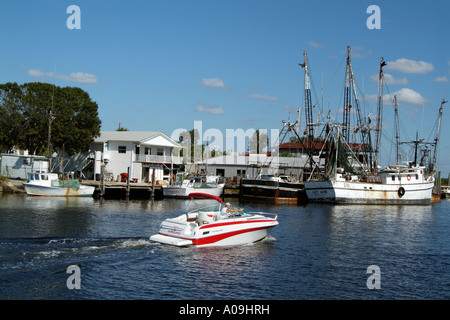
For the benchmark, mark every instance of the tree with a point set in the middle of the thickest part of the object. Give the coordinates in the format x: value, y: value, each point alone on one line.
x: 11, y: 120
x: 29, y: 110
x: 189, y: 140
x: 258, y: 142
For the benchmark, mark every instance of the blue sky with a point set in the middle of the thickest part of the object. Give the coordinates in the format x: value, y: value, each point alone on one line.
x: 161, y: 65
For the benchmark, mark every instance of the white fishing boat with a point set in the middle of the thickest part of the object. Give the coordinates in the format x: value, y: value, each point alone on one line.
x: 391, y: 186
x: 49, y: 185
x: 207, y: 227
x: 355, y: 176
x: 203, y: 184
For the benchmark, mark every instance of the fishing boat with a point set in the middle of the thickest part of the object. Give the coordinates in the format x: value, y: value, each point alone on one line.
x: 205, y: 227
x: 49, y: 185
x: 273, y: 188
x: 203, y: 184
x: 397, y: 185
x: 357, y: 178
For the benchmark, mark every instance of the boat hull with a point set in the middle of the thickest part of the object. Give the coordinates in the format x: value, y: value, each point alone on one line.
x: 368, y: 193
x: 183, y: 192
x: 46, y: 191
x: 273, y: 191
x: 230, y: 232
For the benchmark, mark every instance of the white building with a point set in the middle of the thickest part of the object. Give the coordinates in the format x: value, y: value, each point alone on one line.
x: 144, y: 152
x: 16, y: 166
x: 251, y: 165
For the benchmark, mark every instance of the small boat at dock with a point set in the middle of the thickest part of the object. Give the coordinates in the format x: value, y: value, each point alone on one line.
x: 203, y: 184
x: 49, y: 185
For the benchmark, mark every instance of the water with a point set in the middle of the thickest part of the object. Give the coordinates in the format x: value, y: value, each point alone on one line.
x: 316, y: 252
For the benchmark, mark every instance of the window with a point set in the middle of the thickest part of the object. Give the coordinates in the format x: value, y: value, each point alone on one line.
x: 160, y: 152
x: 122, y: 149
x: 147, y: 150
x: 393, y: 178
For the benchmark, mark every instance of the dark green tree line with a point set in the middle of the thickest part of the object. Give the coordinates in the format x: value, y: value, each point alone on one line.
x: 25, y: 113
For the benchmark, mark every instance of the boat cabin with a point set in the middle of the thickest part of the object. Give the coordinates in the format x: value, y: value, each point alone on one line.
x: 44, y: 179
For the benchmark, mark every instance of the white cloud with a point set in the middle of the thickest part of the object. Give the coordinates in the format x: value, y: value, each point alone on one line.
x: 213, y: 83
x: 409, y: 96
x: 316, y: 44
x: 35, y: 73
x: 409, y: 66
x: 389, y: 79
x: 76, y: 77
x: 81, y: 77
x: 442, y: 79
x: 360, y: 52
x: 212, y: 109
x: 261, y: 96
x: 405, y: 96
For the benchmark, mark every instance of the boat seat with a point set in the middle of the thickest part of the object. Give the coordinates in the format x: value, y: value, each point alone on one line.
x: 205, y: 218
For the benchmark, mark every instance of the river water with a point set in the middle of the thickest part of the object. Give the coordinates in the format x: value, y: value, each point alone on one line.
x: 316, y: 252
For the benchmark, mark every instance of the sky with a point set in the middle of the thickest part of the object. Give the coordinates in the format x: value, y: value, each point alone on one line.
x: 161, y: 65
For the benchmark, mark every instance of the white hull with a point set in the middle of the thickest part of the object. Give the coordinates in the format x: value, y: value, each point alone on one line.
x: 237, y: 237
x: 202, y: 229
x: 367, y: 193
x: 183, y: 192
x: 407, y: 187
x: 46, y: 191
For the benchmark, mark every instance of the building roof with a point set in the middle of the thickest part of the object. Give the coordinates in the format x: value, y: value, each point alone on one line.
x: 133, y: 136
x: 139, y: 137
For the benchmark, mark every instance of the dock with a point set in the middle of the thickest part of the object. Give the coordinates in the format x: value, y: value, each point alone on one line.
x: 123, y: 190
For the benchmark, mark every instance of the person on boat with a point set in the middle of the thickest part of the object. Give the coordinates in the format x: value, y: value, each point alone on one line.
x: 226, y: 211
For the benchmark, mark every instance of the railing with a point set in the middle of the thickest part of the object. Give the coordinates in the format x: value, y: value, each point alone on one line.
x: 158, y: 159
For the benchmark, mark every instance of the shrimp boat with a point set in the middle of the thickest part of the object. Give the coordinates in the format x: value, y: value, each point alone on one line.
x: 353, y: 173
x: 203, y: 227
x: 49, y: 185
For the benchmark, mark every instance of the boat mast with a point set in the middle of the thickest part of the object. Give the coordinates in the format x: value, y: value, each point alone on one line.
x: 397, y: 143
x: 308, y: 104
x: 438, y: 132
x: 347, y: 101
x: 379, y: 113
x: 361, y: 126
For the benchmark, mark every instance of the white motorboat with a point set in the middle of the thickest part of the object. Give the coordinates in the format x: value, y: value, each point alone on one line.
x: 49, y: 185
x: 203, y: 227
x: 203, y: 184
x: 445, y: 192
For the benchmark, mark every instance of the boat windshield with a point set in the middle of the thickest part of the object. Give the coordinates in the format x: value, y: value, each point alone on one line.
x: 241, y: 213
x: 215, y: 208
x: 218, y: 208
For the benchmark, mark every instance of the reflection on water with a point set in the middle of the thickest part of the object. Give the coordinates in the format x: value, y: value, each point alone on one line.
x: 316, y: 252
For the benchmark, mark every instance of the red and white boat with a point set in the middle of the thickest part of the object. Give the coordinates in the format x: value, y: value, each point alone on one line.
x: 203, y: 227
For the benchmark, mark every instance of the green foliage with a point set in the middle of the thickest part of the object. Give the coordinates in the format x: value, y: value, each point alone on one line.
x: 25, y: 112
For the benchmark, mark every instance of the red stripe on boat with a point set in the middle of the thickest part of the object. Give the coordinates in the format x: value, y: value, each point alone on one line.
x: 221, y: 224
x: 216, y: 238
